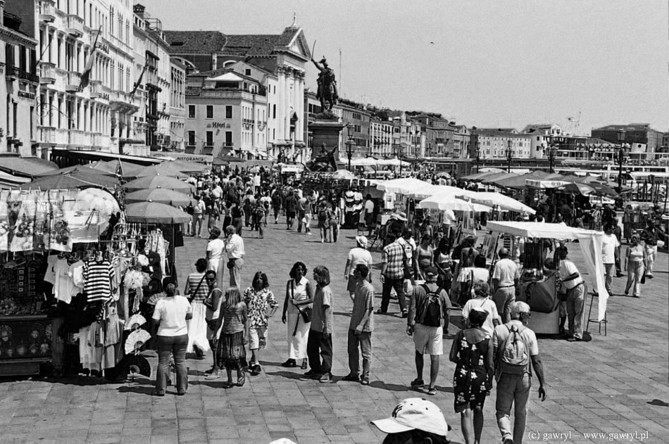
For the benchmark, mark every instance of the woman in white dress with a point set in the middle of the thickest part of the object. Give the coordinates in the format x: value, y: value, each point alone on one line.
x: 299, y: 295
x: 216, y: 255
x: 196, y: 291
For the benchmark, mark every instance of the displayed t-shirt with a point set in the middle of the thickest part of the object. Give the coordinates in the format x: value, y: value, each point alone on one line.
x: 97, y: 280
x: 171, y: 313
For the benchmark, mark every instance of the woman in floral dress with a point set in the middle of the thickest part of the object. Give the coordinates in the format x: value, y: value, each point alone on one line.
x: 472, y: 352
x: 261, y: 305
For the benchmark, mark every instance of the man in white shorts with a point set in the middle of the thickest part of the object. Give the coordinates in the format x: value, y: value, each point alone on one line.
x: 428, y: 313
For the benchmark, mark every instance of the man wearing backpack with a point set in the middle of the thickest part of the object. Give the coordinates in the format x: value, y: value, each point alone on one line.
x: 428, y: 314
x: 514, y: 347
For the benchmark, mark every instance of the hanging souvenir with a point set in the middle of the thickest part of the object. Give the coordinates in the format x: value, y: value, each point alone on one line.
x: 25, y: 223
x: 60, y: 237
x: 4, y: 221
x: 13, y: 208
x: 42, y: 219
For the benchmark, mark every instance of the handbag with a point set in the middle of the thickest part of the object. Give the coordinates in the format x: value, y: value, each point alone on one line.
x: 192, y: 295
x: 305, y: 314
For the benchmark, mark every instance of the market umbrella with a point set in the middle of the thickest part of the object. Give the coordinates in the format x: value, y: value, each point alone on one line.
x: 117, y: 166
x: 160, y: 195
x: 155, y: 213
x: 577, y: 188
x: 498, y: 176
x: 505, y: 203
x: 77, y: 169
x: 402, y: 186
x: 57, y: 182
x: 162, y: 169
x: 343, y: 174
x: 167, y: 182
x: 482, y: 175
x: 519, y: 181
x: 603, y: 189
x: 97, y: 199
x: 444, y: 202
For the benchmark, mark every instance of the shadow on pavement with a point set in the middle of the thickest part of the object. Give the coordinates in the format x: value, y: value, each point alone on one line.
x: 342, y: 313
x: 141, y: 389
x: 289, y: 375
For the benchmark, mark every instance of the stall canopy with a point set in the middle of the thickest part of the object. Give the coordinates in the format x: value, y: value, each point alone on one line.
x: 491, y: 180
x: 445, y: 202
x: 589, y: 241
x: 402, y: 186
x: 119, y: 167
x: 163, y: 169
x: 518, y: 182
x: 25, y: 166
x: 60, y: 182
x: 553, y: 182
x: 83, y: 169
x: 155, y: 213
x: 505, y: 203
x: 482, y: 175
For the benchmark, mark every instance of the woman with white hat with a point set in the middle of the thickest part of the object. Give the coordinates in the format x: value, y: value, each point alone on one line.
x: 357, y: 255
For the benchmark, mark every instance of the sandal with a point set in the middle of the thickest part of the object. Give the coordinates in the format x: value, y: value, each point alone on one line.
x: 432, y: 391
x: 304, y: 365
x: 417, y: 383
x: 241, y: 380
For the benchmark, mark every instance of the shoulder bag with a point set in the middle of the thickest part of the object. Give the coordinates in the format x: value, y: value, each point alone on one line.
x: 304, y: 313
x: 193, y: 293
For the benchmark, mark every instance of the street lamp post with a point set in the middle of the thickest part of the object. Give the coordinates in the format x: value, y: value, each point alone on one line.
x: 349, y: 149
x: 509, y: 156
x: 621, y: 154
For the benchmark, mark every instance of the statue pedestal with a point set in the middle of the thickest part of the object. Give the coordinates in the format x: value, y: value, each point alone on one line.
x: 325, y: 129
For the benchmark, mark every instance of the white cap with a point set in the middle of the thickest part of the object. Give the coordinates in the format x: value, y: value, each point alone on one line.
x: 414, y: 413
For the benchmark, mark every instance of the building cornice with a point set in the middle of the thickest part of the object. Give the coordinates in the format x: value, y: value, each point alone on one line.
x: 17, y: 37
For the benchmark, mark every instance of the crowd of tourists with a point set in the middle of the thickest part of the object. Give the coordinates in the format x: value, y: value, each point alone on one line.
x: 428, y: 275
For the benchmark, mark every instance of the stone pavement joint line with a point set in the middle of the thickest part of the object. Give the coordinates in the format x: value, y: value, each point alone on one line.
x: 605, y: 386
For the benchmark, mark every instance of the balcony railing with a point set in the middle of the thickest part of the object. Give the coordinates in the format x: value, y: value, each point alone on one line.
x: 47, y: 11
x: 14, y: 72
x: 73, y: 81
x: 47, y: 73
x: 75, y: 25
x: 47, y: 134
x: 80, y: 138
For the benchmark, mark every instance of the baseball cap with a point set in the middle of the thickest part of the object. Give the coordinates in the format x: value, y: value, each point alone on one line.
x: 361, y: 240
x: 519, y: 307
x: 414, y: 413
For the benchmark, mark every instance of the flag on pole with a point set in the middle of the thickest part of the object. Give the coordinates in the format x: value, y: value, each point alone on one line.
x: 138, y: 82
x: 86, y: 75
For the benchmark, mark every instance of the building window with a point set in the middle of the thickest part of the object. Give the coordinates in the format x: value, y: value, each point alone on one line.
x: 210, y: 112
x: 228, y: 112
x: 274, y: 111
x: 191, y: 111
x: 210, y: 138
x: 228, y: 138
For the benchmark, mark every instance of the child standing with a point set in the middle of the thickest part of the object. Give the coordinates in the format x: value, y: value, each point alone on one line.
x: 231, y: 347
x: 261, y: 305
x: 320, y: 334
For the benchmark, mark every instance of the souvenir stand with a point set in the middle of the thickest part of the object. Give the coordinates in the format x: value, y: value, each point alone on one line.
x: 33, y: 224
x: 539, y: 290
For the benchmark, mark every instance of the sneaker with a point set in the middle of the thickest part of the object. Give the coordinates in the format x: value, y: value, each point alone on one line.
x: 209, y: 372
x: 405, y: 313
x: 289, y: 363
x: 417, y: 383
x: 255, y: 369
x: 326, y: 377
x: 364, y: 381
x: 158, y: 393
x: 311, y: 374
x: 351, y: 377
x: 432, y: 391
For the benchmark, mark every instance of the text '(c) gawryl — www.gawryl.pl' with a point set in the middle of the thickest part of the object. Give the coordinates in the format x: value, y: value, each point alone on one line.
x: 594, y: 436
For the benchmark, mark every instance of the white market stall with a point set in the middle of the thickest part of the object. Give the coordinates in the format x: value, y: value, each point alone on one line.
x: 590, y: 243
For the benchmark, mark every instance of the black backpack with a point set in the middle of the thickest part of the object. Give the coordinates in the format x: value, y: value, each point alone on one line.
x: 432, y: 307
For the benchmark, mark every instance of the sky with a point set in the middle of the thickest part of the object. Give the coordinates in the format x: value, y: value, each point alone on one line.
x: 485, y: 63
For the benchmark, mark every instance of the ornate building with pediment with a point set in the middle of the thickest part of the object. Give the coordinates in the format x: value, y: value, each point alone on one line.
x: 277, y: 62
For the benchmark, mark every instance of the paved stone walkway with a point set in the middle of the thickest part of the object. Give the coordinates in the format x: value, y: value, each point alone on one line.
x: 615, y: 384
